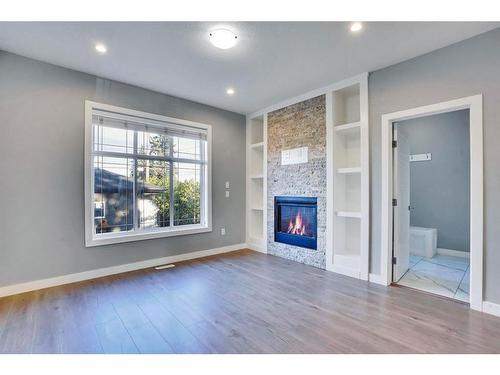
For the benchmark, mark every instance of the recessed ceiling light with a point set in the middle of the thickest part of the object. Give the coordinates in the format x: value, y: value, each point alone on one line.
x: 223, y: 38
x: 230, y: 91
x: 101, y: 48
x: 356, y: 26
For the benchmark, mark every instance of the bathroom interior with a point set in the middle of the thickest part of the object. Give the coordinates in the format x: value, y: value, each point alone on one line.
x: 437, y: 187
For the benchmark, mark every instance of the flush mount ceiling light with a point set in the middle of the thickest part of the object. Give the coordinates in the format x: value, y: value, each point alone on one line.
x: 230, y: 91
x: 101, y: 48
x: 356, y: 26
x: 223, y: 38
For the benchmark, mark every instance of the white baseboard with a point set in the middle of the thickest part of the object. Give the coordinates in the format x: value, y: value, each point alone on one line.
x: 491, y: 308
x: 377, y: 279
x: 455, y: 253
x: 87, y: 275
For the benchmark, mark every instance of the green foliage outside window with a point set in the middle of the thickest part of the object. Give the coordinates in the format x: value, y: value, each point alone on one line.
x: 186, y: 193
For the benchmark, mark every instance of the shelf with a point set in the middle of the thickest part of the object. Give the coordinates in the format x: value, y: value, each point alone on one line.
x: 350, y: 165
x: 347, y: 105
x: 352, y: 127
x: 349, y: 170
x: 257, y: 145
x: 256, y: 222
x: 351, y: 214
x: 256, y: 130
x: 256, y: 194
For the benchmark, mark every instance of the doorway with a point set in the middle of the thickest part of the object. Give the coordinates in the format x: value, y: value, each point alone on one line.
x: 394, y: 222
x: 431, y: 210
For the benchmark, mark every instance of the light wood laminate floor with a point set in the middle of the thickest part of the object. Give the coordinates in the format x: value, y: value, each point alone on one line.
x: 241, y: 302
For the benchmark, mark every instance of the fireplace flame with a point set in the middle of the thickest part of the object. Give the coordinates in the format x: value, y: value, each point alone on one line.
x: 297, y: 225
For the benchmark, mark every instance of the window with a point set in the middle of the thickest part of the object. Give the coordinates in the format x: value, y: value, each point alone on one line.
x: 99, y: 209
x: 147, y: 176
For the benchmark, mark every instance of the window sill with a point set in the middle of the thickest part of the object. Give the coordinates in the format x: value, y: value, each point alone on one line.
x: 112, y: 238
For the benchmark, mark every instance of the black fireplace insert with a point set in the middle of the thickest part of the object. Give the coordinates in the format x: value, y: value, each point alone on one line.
x: 295, y: 221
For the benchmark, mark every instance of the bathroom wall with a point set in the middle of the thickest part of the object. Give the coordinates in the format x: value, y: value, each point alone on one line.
x: 440, y: 188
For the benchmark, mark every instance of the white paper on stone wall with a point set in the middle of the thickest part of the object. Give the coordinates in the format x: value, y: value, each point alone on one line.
x: 294, y: 156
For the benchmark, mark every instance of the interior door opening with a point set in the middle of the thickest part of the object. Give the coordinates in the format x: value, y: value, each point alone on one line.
x: 431, y: 204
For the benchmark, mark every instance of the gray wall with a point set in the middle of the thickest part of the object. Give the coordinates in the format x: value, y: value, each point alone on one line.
x: 440, y: 188
x: 41, y: 159
x: 466, y: 68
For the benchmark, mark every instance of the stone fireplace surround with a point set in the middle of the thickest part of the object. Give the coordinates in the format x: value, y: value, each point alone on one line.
x: 299, y: 125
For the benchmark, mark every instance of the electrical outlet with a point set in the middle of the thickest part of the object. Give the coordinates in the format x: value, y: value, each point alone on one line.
x: 222, y: 231
x: 227, y: 193
x: 227, y: 184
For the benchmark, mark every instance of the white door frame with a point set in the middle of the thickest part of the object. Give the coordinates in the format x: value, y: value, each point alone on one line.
x: 475, y: 106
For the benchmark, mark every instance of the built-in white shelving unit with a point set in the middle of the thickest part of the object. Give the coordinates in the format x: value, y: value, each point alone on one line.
x: 348, y: 178
x: 347, y: 232
x: 256, y: 182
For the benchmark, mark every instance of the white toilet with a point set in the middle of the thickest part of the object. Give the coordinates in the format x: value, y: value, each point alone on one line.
x: 423, y: 241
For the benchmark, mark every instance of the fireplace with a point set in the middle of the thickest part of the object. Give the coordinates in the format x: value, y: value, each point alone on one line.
x: 295, y: 221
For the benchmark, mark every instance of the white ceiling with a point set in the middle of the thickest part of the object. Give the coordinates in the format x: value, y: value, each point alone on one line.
x: 272, y: 61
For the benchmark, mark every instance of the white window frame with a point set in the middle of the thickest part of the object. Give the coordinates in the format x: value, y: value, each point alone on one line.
x: 91, y: 238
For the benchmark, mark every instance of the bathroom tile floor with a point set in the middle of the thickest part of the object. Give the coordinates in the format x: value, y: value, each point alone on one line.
x: 445, y: 275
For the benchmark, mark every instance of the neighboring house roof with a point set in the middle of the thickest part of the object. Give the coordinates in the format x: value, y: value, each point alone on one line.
x: 109, y: 182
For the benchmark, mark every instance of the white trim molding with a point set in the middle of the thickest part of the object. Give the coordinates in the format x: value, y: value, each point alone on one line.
x: 475, y: 106
x: 113, y: 270
x: 491, y: 308
x: 330, y: 215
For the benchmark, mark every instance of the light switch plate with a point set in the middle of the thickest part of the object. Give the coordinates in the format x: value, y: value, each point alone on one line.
x: 227, y: 193
x: 227, y: 184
